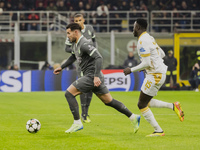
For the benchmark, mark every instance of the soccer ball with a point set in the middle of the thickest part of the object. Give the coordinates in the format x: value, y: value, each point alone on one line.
x: 33, y: 125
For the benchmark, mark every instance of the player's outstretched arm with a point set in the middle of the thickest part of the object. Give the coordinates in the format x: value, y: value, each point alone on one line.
x: 143, y: 65
x: 57, y: 70
x: 127, y: 71
x: 68, y: 62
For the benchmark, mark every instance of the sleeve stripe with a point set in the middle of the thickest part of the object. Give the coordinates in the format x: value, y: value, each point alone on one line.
x: 93, y: 51
x: 145, y: 55
x: 93, y: 36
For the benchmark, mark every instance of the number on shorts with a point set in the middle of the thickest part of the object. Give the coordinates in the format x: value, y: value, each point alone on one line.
x: 148, y: 84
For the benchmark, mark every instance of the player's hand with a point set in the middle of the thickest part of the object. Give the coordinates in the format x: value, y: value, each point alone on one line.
x: 97, y: 81
x: 57, y: 70
x: 127, y: 71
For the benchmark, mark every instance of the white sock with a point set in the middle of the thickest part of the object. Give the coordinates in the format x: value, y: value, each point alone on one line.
x: 132, y: 117
x: 77, y: 121
x: 148, y: 115
x: 160, y: 104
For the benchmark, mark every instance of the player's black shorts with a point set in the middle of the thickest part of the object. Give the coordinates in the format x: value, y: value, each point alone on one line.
x: 85, y: 84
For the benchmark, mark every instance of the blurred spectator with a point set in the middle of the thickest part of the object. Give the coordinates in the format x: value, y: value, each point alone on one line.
x: 61, y: 6
x: 133, y: 16
x: 184, y: 22
x: 102, y: 9
x: 21, y: 7
x: 102, y: 12
x: 56, y: 65
x: 132, y: 6
x: 33, y: 26
x: 195, y: 77
x: 175, y: 21
x: 80, y: 6
x: 30, y: 4
x: 115, y: 20
x: 91, y: 14
x: 88, y: 7
x: 153, y: 6
x: 198, y: 56
x: 124, y: 6
x: 143, y: 7
x: 44, y: 3
x: 165, y: 22
x: 47, y: 66
x: 135, y: 3
x: 94, y: 4
x: 130, y: 61
x: 2, y: 5
x: 9, y: 7
x: 171, y: 62
x: 51, y: 6
x: 163, y: 4
x: 173, y: 5
x: 40, y: 6
x: 68, y: 4
x: 23, y: 26
x: 194, y: 4
x: 14, y: 67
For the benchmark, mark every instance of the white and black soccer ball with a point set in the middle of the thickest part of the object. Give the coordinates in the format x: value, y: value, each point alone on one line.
x: 33, y: 125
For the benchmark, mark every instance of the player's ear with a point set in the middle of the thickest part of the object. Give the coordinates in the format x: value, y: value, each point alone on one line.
x: 137, y: 27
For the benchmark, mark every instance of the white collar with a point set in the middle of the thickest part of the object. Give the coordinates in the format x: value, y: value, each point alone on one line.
x: 83, y: 30
x: 79, y: 39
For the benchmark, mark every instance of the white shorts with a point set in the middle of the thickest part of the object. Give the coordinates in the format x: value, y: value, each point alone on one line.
x: 152, y: 83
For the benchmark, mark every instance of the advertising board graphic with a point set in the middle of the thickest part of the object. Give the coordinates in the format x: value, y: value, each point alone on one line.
x: 37, y: 80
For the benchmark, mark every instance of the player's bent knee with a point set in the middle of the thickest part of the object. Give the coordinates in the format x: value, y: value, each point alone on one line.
x: 68, y: 94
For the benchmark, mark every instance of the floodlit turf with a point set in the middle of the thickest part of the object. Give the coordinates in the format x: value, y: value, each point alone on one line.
x: 109, y: 130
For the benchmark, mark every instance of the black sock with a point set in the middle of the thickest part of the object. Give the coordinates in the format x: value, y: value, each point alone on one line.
x: 73, y: 105
x: 85, y: 103
x: 120, y: 107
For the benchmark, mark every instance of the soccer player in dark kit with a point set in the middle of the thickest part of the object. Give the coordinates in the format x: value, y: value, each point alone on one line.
x: 90, y: 62
x: 88, y: 32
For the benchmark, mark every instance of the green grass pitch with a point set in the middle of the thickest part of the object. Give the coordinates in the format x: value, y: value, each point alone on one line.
x: 109, y: 130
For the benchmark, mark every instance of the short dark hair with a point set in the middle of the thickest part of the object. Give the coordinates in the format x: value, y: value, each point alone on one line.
x: 73, y: 26
x: 142, y: 22
x: 78, y: 15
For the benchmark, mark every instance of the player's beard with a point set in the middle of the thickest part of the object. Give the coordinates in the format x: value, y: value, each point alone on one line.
x: 135, y: 33
x: 72, y: 40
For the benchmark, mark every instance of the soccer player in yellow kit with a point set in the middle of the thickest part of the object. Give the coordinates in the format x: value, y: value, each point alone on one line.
x: 151, y: 60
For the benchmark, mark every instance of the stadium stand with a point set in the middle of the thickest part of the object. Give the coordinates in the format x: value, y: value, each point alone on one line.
x: 104, y: 15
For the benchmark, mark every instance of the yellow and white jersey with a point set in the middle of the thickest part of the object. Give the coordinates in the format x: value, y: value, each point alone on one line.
x: 148, y: 47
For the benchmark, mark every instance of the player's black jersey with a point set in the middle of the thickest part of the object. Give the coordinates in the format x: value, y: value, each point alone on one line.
x: 87, y: 56
x: 88, y: 32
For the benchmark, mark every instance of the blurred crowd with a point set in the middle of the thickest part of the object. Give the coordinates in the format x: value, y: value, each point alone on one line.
x: 102, y: 8
x: 78, y: 5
